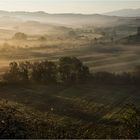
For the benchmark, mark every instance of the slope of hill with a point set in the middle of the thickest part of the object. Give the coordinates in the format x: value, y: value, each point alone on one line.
x: 125, y: 13
x: 70, y: 19
x: 83, y: 111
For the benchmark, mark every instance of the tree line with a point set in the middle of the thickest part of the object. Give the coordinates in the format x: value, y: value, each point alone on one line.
x: 118, y: 78
x: 67, y: 70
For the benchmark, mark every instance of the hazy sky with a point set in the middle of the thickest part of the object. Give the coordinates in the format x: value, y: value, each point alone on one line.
x: 68, y: 6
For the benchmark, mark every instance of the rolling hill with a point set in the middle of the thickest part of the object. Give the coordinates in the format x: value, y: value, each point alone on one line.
x: 69, y: 19
x: 125, y: 13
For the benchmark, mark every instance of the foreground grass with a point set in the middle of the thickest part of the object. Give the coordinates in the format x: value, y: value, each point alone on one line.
x: 80, y: 111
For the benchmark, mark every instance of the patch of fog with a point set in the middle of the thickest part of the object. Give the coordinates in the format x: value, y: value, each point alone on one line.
x: 120, y: 64
x: 6, y: 28
x: 4, y: 63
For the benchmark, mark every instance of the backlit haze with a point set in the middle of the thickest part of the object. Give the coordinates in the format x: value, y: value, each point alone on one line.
x: 68, y: 6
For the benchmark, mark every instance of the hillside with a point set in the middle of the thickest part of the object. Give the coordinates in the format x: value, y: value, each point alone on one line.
x: 82, y: 111
x: 69, y: 20
x: 68, y: 70
x: 125, y: 13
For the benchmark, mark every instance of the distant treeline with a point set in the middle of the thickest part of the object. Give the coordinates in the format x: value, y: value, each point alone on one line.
x: 68, y: 70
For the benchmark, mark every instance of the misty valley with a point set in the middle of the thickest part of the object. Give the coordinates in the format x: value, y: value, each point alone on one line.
x: 69, y: 76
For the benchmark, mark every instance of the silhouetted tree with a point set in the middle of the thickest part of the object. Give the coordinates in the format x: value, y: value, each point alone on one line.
x: 72, y: 70
x: 69, y: 70
x: 13, y: 73
x: 24, y: 69
x: 44, y: 72
x: 49, y: 73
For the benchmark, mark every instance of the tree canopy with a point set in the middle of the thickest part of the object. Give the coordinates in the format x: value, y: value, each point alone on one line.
x: 68, y: 70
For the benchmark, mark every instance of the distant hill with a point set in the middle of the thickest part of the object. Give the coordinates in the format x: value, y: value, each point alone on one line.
x: 67, y: 20
x: 125, y: 13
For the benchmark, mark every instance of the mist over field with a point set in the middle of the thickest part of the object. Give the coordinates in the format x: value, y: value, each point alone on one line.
x: 71, y: 75
x: 54, y: 35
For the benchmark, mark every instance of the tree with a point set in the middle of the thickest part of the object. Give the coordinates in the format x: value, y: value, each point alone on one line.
x: 18, y: 72
x: 49, y: 73
x: 20, y: 36
x: 42, y: 38
x: 13, y: 73
x: 68, y: 70
x: 71, y: 70
x: 24, y: 70
x: 44, y: 72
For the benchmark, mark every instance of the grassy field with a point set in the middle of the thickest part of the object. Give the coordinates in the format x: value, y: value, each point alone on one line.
x: 86, y: 103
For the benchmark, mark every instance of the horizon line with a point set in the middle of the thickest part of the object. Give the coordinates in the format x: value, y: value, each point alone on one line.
x: 45, y: 12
